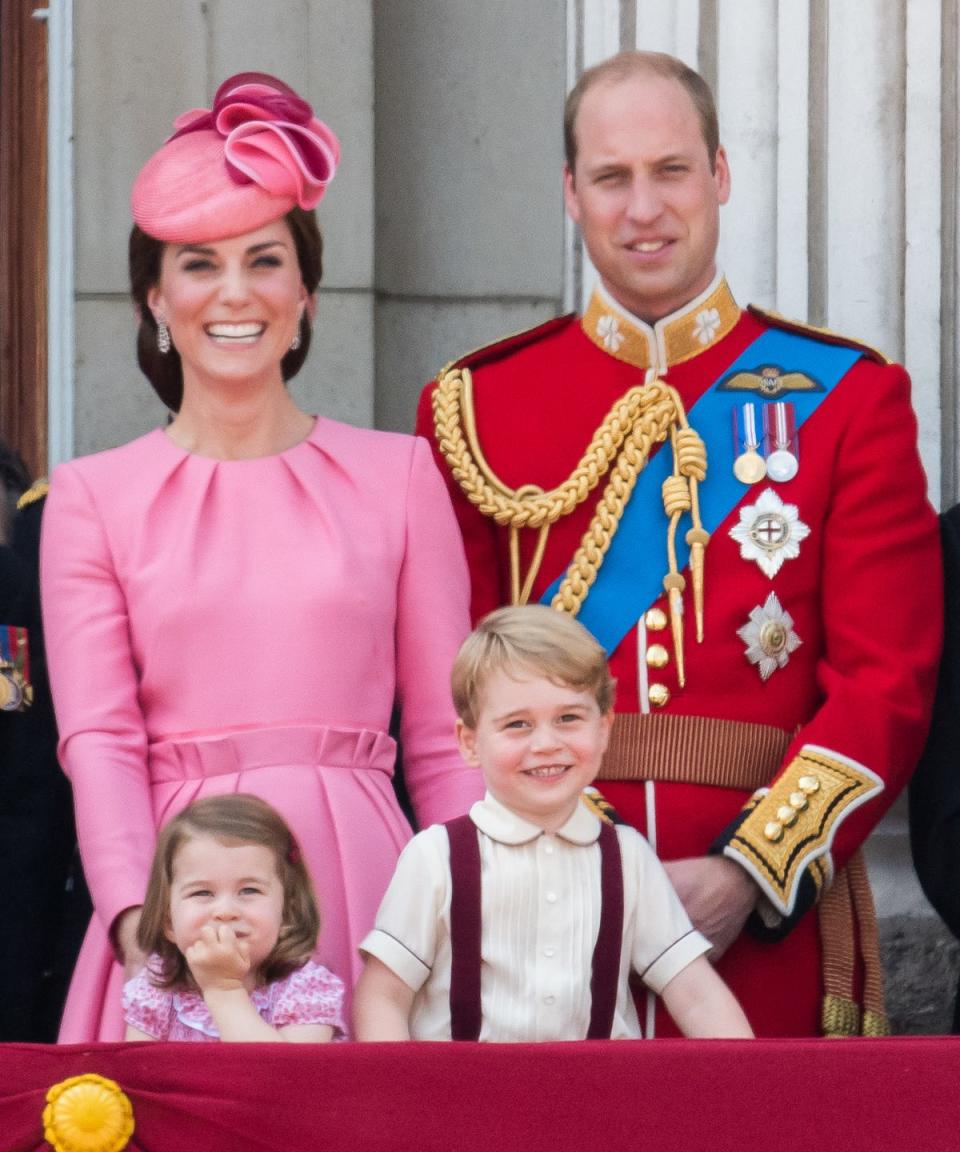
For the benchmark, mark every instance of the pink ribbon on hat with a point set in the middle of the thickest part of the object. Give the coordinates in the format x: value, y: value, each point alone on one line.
x: 271, y: 138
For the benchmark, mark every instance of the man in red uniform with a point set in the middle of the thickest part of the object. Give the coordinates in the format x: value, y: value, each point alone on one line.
x: 734, y: 504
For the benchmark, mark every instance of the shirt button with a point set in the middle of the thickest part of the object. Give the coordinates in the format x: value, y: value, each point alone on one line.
x: 548, y: 849
x: 549, y: 951
x: 549, y: 999
x: 551, y: 897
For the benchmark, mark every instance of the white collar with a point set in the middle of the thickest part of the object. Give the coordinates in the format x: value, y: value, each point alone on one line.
x: 505, y: 826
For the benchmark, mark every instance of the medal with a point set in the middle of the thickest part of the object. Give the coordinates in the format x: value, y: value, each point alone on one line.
x: 748, y: 466
x: 11, y: 694
x: 781, y: 432
x: 16, y: 691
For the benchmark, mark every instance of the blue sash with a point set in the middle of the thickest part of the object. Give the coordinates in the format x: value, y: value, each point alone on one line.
x: 631, y: 576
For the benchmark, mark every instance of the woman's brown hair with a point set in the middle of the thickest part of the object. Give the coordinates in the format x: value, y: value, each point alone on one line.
x: 233, y: 819
x: 164, y: 370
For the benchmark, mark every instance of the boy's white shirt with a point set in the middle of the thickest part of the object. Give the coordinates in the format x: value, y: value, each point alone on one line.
x: 541, y: 915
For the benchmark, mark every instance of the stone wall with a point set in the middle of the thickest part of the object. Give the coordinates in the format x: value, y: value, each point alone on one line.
x: 921, y: 962
x: 468, y: 163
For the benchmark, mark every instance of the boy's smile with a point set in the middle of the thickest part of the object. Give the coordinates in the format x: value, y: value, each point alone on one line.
x: 538, y: 743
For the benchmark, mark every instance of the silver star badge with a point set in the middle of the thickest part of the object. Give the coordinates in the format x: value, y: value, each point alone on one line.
x: 769, y: 637
x: 769, y: 532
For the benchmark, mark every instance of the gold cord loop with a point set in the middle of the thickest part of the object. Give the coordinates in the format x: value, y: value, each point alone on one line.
x: 691, y: 453
x: 642, y: 417
x: 676, y: 495
x: 690, y: 458
x: 520, y: 595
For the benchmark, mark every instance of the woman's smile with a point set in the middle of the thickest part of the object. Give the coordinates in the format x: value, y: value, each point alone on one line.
x: 235, y: 333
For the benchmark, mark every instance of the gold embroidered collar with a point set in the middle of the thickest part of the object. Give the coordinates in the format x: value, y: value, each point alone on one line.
x: 675, y: 338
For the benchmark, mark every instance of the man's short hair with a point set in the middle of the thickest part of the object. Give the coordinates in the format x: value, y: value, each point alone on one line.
x: 625, y: 66
x: 532, y: 639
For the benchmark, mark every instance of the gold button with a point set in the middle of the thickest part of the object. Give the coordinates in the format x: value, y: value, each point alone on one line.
x: 655, y: 619
x: 773, y: 831
x: 659, y: 695
x: 808, y: 784
x: 657, y: 656
x: 798, y: 800
x: 787, y: 815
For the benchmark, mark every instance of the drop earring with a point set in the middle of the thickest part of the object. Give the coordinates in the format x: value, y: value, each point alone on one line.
x: 163, y: 336
x: 297, y: 339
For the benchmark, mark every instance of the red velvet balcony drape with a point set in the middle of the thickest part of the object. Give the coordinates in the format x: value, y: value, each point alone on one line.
x: 669, y: 1096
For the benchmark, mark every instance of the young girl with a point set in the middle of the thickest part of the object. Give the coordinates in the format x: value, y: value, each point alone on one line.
x: 230, y: 923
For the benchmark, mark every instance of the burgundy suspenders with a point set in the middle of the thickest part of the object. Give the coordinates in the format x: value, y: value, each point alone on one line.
x: 606, y: 951
x: 465, y: 927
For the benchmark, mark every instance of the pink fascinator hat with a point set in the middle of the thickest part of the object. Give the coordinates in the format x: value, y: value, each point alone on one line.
x: 253, y: 156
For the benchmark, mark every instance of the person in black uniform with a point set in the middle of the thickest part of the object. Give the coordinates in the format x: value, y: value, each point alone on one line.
x: 935, y: 787
x: 43, y: 898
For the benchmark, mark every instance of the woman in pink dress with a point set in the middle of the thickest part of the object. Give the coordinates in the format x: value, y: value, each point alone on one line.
x: 237, y: 601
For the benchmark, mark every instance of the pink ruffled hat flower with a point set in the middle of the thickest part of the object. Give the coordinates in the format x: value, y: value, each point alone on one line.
x: 237, y: 166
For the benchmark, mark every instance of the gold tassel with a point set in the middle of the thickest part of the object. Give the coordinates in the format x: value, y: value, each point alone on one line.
x: 697, y: 539
x: 841, y: 1017
x: 674, y: 584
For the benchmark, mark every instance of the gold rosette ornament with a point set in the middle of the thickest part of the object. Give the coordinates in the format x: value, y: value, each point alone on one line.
x: 87, y: 1114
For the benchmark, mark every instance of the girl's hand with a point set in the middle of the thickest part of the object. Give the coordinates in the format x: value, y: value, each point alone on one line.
x: 218, y: 960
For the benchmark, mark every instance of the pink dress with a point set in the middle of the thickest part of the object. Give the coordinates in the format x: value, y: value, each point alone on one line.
x: 246, y: 626
x: 310, y: 995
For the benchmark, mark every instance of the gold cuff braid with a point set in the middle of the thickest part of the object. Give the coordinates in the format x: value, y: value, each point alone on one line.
x: 621, y: 446
x: 793, y: 824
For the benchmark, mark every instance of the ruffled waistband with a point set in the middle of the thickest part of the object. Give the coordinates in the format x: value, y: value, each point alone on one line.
x: 309, y: 747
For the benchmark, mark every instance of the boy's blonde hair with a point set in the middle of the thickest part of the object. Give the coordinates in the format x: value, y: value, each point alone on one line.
x: 235, y: 818
x: 532, y: 638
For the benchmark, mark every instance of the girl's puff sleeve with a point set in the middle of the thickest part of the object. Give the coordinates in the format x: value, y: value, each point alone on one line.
x: 432, y: 622
x: 93, y: 679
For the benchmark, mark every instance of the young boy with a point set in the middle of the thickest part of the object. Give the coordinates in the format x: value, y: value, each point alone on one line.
x: 560, y: 905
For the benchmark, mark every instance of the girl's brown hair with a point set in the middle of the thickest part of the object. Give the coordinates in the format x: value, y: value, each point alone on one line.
x: 164, y: 370
x: 233, y: 819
